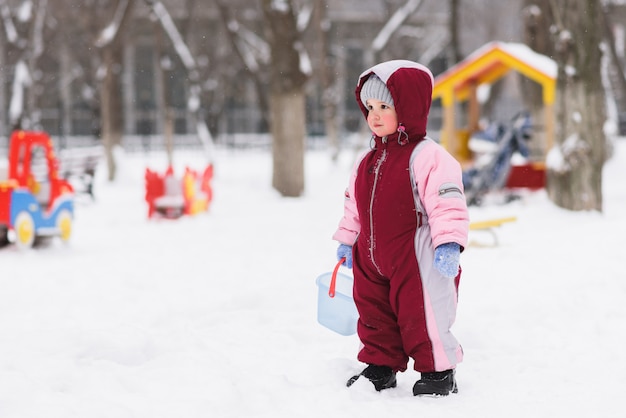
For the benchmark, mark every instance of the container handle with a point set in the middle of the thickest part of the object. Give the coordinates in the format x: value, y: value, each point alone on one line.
x: 333, y: 279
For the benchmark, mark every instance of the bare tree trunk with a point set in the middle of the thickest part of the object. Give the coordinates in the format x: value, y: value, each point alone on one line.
x: 455, y: 47
x: 33, y: 52
x: 106, y: 86
x: 287, y: 100
x: 537, y: 17
x: 110, y: 91
x: 576, y: 183
x: 25, y: 46
x: 4, y: 125
x: 618, y: 75
x: 287, y: 127
x: 325, y: 70
x: 117, y: 102
x: 111, y: 105
x: 65, y: 90
x: 163, y: 106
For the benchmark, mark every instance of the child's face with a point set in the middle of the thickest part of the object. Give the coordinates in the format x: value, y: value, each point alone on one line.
x: 381, y: 117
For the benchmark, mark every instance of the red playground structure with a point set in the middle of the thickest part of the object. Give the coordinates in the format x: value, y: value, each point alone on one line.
x: 171, y: 197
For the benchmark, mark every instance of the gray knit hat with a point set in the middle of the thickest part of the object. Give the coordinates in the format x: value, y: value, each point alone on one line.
x: 374, y: 88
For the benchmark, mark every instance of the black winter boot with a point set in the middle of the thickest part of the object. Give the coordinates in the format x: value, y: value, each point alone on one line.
x: 382, y: 377
x: 436, y: 384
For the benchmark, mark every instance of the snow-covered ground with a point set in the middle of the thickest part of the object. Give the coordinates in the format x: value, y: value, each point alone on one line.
x: 215, y: 315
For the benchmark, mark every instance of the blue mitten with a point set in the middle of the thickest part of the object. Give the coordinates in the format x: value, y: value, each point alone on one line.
x: 447, y: 258
x: 345, y: 251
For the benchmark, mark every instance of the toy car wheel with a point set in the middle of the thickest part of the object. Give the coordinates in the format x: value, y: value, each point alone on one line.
x: 64, y: 225
x: 24, y: 230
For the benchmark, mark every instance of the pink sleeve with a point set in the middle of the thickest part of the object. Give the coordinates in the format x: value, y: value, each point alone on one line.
x: 349, y: 225
x: 440, y: 186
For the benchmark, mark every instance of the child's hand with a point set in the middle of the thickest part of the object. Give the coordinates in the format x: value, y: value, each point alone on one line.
x: 447, y: 257
x: 345, y: 251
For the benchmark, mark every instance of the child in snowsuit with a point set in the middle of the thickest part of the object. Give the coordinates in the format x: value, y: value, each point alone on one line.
x: 405, y: 224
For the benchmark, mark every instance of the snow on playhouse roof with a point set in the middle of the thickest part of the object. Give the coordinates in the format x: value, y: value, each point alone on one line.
x: 491, y: 62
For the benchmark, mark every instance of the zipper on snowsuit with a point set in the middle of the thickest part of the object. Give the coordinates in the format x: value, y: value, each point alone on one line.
x: 377, y: 166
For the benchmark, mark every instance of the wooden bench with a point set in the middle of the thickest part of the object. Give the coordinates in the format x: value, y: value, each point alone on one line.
x: 78, y: 166
x: 489, y: 226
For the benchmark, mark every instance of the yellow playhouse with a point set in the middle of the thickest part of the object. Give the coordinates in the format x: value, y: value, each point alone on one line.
x: 485, y: 66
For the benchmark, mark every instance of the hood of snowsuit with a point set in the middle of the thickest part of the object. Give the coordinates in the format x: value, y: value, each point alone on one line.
x: 411, y: 87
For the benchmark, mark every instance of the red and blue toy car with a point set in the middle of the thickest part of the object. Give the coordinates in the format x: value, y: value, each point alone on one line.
x: 35, y: 203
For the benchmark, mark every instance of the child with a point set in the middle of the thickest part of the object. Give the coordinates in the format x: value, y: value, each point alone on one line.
x: 405, y: 224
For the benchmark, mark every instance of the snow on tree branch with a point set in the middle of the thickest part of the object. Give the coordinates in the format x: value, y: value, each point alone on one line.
x: 398, y: 18
x: 440, y: 39
x: 170, y: 28
x: 9, y: 27
x: 253, y: 49
x: 303, y: 18
x: 21, y: 80
x: 25, y: 11
x: 281, y: 6
x: 194, y: 101
x: 304, y: 61
x: 38, y: 43
x: 108, y: 33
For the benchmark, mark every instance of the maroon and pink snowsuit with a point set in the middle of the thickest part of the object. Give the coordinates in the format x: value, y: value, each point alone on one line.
x: 405, y: 197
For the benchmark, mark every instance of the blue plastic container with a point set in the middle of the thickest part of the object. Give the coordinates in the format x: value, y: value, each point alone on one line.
x: 336, y: 313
